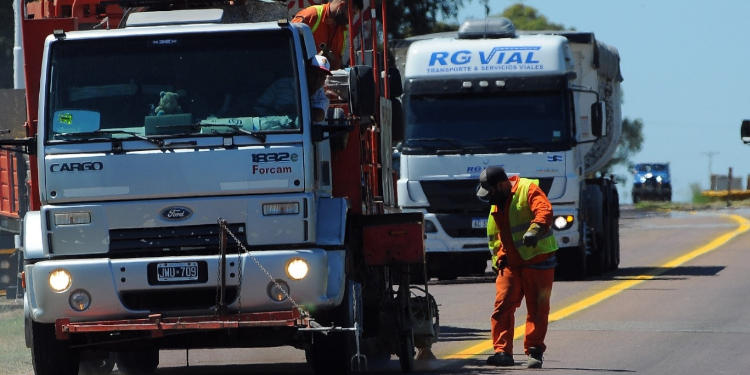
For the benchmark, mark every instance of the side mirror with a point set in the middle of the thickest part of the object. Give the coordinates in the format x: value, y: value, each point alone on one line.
x: 597, y: 119
x: 745, y: 131
x: 394, y: 82
x: 361, y: 91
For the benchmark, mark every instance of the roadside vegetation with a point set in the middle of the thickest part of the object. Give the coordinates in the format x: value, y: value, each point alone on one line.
x: 15, y: 358
x: 699, y: 202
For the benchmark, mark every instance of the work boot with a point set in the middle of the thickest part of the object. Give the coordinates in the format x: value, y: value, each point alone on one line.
x: 535, y: 358
x: 501, y: 359
x: 425, y: 354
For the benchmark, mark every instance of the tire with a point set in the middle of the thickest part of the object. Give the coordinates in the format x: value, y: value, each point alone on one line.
x: 49, y: 355
x: 573, y: 265
x: 140, y: 362
x: 614, y: 233
x: 406, y: 351
x: 594, y: 232
x: 97, y: 364
x: 331, y: 354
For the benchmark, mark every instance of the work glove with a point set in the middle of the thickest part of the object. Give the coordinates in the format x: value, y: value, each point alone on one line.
x: 532, y: 235
x: 500, y: 264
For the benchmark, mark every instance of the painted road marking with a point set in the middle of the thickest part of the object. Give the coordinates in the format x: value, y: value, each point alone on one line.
x: 485, y: 346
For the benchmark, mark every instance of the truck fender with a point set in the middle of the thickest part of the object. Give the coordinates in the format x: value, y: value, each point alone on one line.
x: 331, y: 221
x: 27, y: 320
x: 32, y: 238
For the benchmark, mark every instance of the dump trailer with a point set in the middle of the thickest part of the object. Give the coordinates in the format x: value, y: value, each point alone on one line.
x: 544, y: 105
x: 166, y: 211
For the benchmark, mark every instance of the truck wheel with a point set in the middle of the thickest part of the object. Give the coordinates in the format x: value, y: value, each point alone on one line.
x: 406, y: 351
x: 140, y: 362
x: 97, y: 364
x: 49, y: 355
x: 331, y: 354
x: 572, y: 264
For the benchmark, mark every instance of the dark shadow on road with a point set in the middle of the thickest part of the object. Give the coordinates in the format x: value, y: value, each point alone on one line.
x: 449, y: 333
x: 260, y: 368
x: 660, y: 273
x: 592, y: 370
x: 471, y: 366
x: 487, y: 278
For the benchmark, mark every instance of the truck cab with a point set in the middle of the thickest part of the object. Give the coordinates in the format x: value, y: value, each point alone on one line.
x: 651, y: 181
x: 542, y: 105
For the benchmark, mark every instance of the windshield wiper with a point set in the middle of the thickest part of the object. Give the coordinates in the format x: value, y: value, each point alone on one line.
x: 458, y: 146
x: 260, y: 136
x: 528, y: 146
x: 156, y: 141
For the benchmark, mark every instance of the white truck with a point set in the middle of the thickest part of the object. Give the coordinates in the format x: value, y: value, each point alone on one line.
x: 212, y: 224
x: 544, y: 105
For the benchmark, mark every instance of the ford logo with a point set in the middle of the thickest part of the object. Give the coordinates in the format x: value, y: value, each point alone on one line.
x: 176, y: 213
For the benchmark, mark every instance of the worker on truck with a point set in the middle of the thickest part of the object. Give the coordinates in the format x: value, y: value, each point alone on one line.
x: 523, y: 252
x: 328, y: 23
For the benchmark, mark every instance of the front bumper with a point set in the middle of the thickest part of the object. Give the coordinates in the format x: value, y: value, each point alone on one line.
x: 120, y: 288
x: 442, y: 242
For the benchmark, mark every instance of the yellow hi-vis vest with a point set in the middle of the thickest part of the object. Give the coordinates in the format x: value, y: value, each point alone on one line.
x: 319, y: 9
x: 520, y: 216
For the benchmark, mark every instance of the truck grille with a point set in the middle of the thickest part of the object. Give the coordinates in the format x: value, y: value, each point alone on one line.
x: 459, y: 225
x: 459, y: 196
x: 175, y: 299
x: 193, y: 239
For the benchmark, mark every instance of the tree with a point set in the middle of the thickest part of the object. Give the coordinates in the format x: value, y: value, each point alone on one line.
x: 631, y: 141
x: 416, y: 17
x: 528, y: 18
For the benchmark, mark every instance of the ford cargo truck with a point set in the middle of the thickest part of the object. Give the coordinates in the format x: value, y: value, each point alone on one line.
x: 165, y: 211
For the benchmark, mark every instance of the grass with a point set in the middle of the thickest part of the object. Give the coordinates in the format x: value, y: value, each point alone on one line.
x: 15, y: 358
x: 700, y: 204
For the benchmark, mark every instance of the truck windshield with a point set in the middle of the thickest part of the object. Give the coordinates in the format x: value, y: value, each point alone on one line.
x: 170, y: 85
x: 651, y: 168
x: 486, y: 123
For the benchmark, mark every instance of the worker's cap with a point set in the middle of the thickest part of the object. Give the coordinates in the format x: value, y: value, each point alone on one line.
x: 321, y: 62
x: 489, y: 177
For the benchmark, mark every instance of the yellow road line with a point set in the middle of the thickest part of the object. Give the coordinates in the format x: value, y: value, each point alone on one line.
x: 485, y: 346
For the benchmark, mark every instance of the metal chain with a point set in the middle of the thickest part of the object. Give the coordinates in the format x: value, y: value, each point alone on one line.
x: 270, y: 277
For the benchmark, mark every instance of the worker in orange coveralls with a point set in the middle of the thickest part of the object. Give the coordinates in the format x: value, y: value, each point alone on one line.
x: 328, y: 23
x: 523, y: 252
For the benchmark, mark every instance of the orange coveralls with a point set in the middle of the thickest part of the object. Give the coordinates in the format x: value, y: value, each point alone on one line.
x: 520, y: 279
x: 328, y: 31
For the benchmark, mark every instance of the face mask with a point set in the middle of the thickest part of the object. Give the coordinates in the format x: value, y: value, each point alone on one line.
x: 498, y: 197
x: 342, y: 17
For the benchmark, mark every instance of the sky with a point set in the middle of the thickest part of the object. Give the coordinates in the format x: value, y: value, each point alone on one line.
x: 686, y: 69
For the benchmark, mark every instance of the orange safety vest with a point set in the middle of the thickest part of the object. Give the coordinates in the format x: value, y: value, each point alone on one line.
x: 319, y: 10
x: 519, y: 216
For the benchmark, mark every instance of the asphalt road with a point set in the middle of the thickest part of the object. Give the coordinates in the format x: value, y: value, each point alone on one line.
x: 658, y: 314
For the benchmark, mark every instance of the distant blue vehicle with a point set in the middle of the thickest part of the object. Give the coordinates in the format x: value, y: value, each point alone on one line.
x: 651, y: 181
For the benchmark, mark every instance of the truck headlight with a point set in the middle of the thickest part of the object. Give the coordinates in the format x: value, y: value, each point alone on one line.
x: 563, y: 222
x: 297, y: 269
x: 286, y: 208
x: 79, y: 300
x: 60, y: 280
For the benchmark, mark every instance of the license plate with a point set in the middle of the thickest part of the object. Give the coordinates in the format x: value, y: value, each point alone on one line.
x: 478, y: 223
x: 177, y: 271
